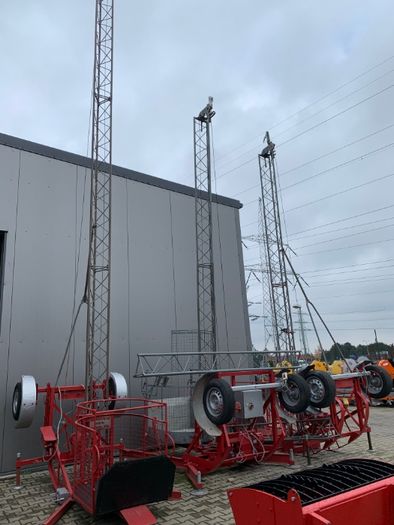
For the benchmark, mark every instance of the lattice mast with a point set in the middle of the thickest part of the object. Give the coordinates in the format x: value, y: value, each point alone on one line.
x: 206, y: 309
x: 265, y: 282
x: 98, y: 286
x: 282, y: 324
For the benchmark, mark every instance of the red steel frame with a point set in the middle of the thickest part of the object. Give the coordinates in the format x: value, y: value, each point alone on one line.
x: 270, y: 438
x: 277, y: 440
x: 343, y: 422
x: 82, y: 445
x: 370, y: 504
x: 238, y: 443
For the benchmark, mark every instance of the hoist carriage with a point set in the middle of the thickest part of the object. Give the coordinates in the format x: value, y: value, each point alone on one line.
x: 117, y: 448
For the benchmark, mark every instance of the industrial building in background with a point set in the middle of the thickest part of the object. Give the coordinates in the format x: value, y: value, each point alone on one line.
x: 44, y: 216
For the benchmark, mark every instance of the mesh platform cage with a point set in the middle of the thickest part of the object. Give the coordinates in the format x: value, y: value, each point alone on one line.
x: 110, y: 432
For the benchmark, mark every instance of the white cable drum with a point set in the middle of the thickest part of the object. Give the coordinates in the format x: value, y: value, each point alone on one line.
x: 119, y: 385
x: 198, y: 407
x: 24, y: 401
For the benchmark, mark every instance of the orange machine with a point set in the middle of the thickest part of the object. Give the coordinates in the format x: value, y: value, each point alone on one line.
x: 388, y: 365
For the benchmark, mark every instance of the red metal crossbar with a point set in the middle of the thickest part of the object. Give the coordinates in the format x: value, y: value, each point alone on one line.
x: 368, y: 505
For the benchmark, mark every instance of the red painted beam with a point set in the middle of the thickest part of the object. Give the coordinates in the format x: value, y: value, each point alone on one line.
x: 371, y: 504
x: 140, y: 515
x: 59, y: 512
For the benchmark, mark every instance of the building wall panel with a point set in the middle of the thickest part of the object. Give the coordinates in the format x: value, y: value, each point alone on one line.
x: 44, y: 201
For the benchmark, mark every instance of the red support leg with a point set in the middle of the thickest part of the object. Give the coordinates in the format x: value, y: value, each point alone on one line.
x: 59, y: 512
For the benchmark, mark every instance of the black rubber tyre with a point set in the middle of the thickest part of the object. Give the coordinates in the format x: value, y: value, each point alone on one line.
x: 17, y: 401
x: 379, y: 383
x: 111, y: 392
x: 323, y: 389
x: 296, y: 397
x: 219, y: 401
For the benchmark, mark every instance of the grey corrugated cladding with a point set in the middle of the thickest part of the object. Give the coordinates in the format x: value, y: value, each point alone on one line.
x: 85, y: 162
x: 45, y: 213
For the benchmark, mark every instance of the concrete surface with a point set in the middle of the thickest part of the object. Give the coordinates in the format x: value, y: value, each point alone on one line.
x: 34, y: 501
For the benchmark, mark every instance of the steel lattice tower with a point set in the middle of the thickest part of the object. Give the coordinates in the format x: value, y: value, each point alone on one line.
x: 265, y: 282
x: 282, y: 324
x: 98, y: 284
x: 206, y: 310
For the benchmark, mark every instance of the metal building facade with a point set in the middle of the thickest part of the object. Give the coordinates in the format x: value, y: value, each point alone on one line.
x: 44, y: 200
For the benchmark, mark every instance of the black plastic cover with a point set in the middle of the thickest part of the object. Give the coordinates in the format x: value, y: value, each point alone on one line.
x: 135, y: 482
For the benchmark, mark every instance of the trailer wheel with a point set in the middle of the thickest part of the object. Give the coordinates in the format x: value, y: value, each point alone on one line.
x: 24, y: 401
x: 379, y: 383
x: 322, y: 387
x: 219, y: 401
x: 295, y: 396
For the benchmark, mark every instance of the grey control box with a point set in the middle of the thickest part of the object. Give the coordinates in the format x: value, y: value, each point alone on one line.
x: 251, y: 403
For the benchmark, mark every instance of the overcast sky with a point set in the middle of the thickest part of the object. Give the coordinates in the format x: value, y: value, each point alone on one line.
x: 318, y: 75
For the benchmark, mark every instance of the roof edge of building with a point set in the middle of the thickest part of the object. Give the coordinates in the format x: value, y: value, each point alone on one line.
x: 80, y: 160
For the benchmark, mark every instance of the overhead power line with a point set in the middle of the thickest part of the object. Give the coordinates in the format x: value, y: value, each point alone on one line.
x: 347, y: 247
x: 349, y: 266
x: 346, y: 190
x: 328, y: 296
x: 333, y: 239
x: 341, y: 165
x: 329, y: 274
x: 351, y: 329
x: 336, y: 194
x: 320, y: 99
x: 327, y: 170
x: 343, y: 228
x: 339, y: 220
x: 335, y: 102
x: 349, y: 144
x: 360, y: 157
x: 356, y: 280
x: 328, y: 119
x: 369, y: 320
x: 318, y: 124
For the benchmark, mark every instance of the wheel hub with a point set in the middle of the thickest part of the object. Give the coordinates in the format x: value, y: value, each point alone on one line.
x: 375, y: 384
x: 317, y: 389
x: 292, y: 394
x: 215, y: 401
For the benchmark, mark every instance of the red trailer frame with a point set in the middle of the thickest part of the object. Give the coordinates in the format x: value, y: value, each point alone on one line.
x: 275, y: 438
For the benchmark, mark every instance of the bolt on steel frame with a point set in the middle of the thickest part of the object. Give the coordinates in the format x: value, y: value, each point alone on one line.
x: 206, y: 309
x: 282, y: 324
x: 98, y: 283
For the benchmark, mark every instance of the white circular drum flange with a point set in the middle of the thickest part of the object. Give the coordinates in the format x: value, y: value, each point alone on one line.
x: 119, y: 385
x: 24, y: 401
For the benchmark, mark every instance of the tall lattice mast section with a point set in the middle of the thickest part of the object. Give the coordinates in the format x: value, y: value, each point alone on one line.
x: 206, y: 309
x: 265, y: 282
x: 98, y: 285
x: 282, y: 324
